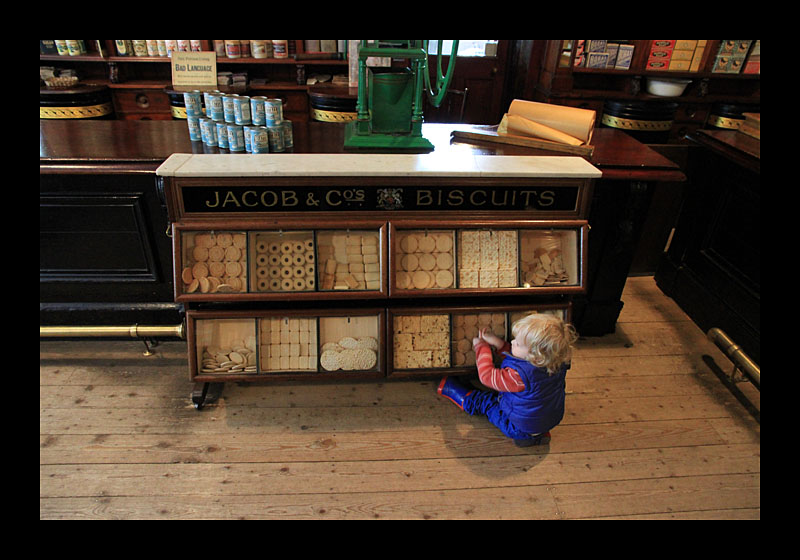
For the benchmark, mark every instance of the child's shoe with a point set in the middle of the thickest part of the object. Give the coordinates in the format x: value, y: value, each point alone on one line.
x: 451, y: 389
x: 541, y: 439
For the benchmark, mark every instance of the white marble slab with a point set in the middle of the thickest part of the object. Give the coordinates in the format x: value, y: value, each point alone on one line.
x: 375, y: 165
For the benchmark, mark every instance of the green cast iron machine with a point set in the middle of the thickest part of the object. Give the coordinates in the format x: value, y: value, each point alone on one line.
x: 389, y: 107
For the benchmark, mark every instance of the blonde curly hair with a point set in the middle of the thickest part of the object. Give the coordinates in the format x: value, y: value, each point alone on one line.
x: 548, y: 339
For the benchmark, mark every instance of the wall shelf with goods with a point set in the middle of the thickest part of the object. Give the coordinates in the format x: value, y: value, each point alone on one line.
x: 705, y: 77
x: 139, y: 84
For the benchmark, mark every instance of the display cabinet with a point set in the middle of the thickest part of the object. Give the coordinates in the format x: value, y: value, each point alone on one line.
x: 326, y: 266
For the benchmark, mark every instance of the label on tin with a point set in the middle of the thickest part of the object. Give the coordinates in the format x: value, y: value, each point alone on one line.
x: 194, y: 68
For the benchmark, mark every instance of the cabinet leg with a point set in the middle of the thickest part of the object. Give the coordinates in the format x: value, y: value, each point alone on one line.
x: 204, y: 393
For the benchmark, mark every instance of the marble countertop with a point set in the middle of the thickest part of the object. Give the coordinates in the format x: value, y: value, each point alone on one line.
x: 375, y: 165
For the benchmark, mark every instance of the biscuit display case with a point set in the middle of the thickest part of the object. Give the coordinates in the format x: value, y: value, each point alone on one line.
x: 342, y: 266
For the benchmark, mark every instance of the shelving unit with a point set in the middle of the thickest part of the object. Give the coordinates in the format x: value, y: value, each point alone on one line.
x: 138, y: 84
x: 554, y: 78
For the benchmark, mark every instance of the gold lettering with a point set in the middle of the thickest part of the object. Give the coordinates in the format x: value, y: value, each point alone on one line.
x: 329, y: 200
x: 244, y: 198
x: 216, y: 200
x: 494, y: 199
x: 455, y: 197
x: 230, y: 198
x: 472, y: 198
x: 288, y: 198
x: 424, y: 197
x: 527, y: 198
x: 264, y: 199
x: 548, y: 198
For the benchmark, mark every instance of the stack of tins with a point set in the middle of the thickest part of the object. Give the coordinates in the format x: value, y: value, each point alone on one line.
x: 729, y: 116
x: 237, y: 123
x: 80, y: 102
x: 649, y: 122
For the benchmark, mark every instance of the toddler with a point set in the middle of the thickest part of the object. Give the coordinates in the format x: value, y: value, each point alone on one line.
x: 529, y: 386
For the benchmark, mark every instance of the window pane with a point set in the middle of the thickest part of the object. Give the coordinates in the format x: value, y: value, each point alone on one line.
x: 466, y: 47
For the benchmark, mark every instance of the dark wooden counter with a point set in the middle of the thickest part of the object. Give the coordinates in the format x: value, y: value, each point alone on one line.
x: 83, y: 164
x: 713, y: 265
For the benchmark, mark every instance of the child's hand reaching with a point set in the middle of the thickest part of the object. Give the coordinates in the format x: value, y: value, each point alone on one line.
x: 486, y: 335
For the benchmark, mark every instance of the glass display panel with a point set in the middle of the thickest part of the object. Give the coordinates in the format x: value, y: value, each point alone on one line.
x: 283, y: 262
x: 287, y: 344
x: 517, y: 315
x: 214, y: 262
x: 349, y: 343
x: 425, y: 260
x: 549, y: 258
x: 349, y: 260
x: 487, y: 259
x: 421, y: 341
x: 226, y: 346
x: 466, y: 327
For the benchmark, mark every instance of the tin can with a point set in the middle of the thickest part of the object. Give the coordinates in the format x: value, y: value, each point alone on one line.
x: 260, y: 140
x: 249, y: 129
x: 257, y: 116
x: 235, y: 137
x: 139, y: 47
x: 161, y: 45
x: 276, y: 138
x: 273, y: 111
x: 194, y: 129
x: 241, y: 108
x: 232, y: 48
x: 288, y: 134
x: 214, y: 107
x: 222, y: 134
x: 229, y: 113
x: 208, y: 131
x: 258, y: 48
x: 280, y: 48
x: 193, y: 101
x: 152, y: 47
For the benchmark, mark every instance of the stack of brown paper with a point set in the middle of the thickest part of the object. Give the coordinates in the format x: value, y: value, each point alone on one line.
x: 557, y: 123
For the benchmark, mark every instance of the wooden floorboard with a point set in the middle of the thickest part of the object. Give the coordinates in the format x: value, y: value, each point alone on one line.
x: 652, y: 431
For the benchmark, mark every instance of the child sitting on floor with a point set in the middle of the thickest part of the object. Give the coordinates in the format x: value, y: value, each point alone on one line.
x: 529, y: 385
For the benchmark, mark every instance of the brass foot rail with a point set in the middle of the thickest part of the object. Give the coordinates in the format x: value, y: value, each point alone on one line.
x: 735, y: 354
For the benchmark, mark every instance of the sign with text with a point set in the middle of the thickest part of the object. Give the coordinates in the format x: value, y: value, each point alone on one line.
x: 196, y: 198
x: 194, y: 68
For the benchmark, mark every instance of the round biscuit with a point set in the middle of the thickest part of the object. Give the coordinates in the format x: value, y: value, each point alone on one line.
x: 200, y: 270
x: 216, y: 253
x: 444, y: 243
x: 427, y: 261
x: 427, y: 244
x: 233, y: 253
x: 348, y: 342
x: 364, y: 358
x: 444, y: 279
x: 224, y: 240
x: 186, y: 275
x: 216, y: 269
x: 444, y: 261
x: 329, y: 360
x: 199, y: 253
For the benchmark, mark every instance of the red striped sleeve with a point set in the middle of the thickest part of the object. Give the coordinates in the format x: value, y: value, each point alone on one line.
x: 500, y: 379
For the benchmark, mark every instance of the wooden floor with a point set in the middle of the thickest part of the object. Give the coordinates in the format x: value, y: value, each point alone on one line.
x: 651, y: 431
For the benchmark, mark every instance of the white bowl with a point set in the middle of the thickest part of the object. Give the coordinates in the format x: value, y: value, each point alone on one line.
x: 666, y: 87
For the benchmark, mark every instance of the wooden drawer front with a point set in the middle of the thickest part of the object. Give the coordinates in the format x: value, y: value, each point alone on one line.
x: 281, y: 344
x: 438, y: 341
x: 141, y: 102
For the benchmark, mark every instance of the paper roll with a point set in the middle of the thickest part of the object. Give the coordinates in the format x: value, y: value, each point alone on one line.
x: 578, y: 123
x: 519, y: 126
